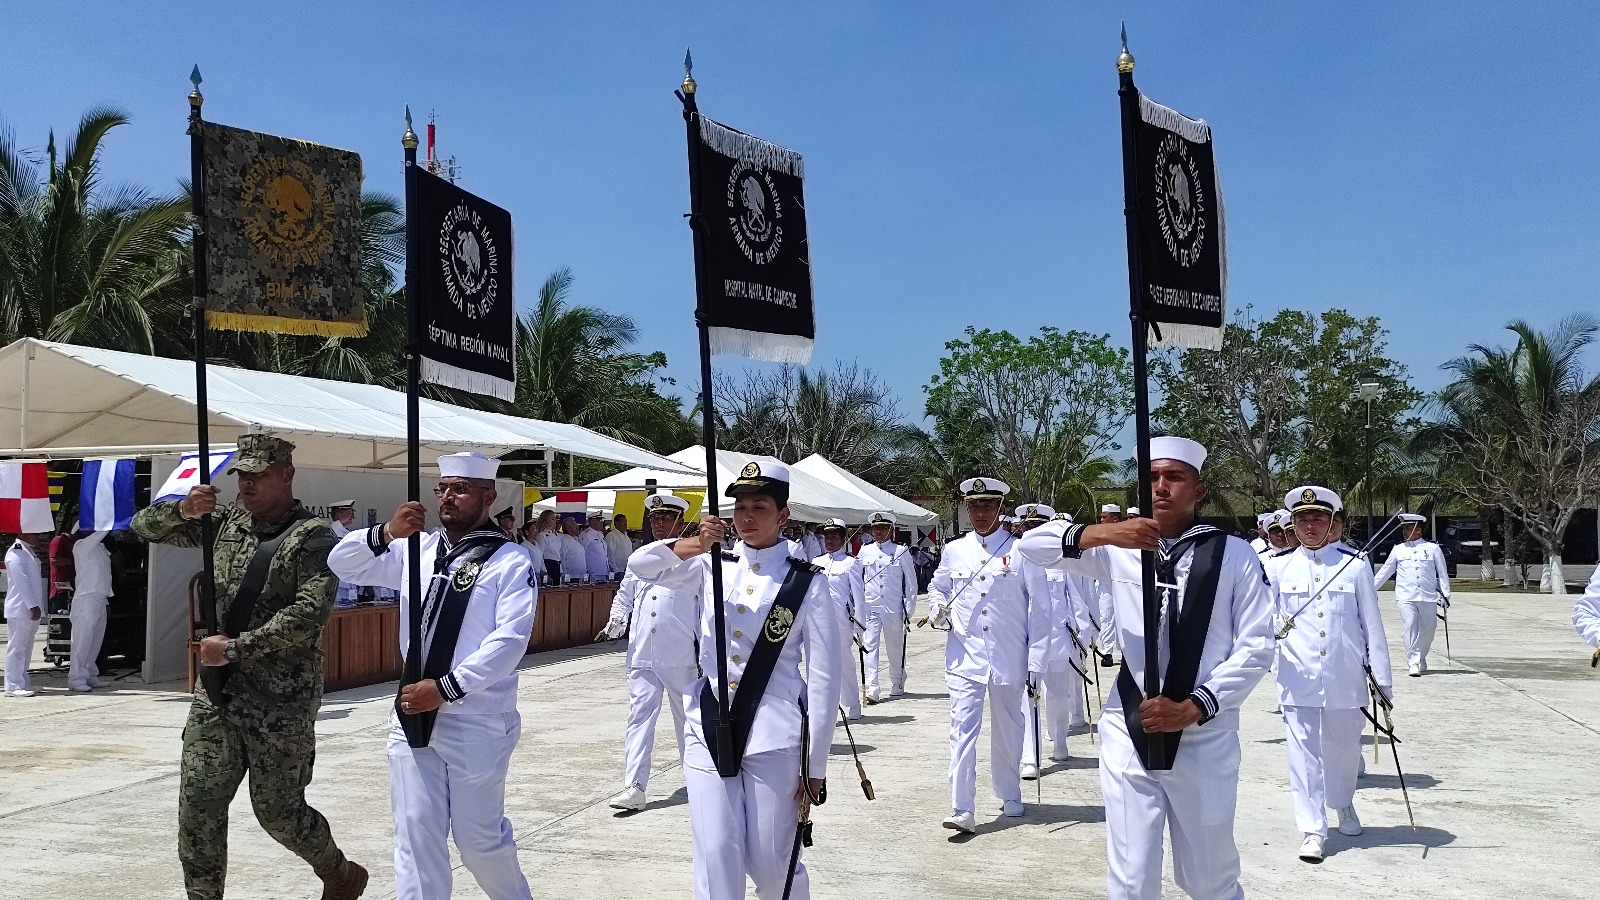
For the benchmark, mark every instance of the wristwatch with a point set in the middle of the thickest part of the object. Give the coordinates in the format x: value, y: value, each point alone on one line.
x: 230, y: 652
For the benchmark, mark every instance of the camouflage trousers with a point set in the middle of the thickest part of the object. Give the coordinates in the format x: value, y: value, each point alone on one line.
x: 277, y: 748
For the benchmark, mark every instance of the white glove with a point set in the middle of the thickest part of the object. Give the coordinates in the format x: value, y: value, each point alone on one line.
x: 616, y: 627
x: 940, y: 617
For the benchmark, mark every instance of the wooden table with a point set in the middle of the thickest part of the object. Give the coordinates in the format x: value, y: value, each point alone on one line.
x: 570, y: 616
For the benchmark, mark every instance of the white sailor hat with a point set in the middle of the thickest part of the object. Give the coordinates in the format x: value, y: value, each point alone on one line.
x: 1312, y: 496
x: 1413, y: 517
x: 984, y: 489
x: 1133, y: 511
x: 662, y: 502
x: 1035, y: 512
x: 468, y: 465
x: 770, y: 478
x: 1111, y: 508
x: 834, y: 525
x: 342, y: 504
x: 882, y: 517
x: 1179, y: 448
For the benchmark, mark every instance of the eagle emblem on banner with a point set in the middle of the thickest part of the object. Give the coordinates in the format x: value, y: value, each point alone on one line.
x: 1180, y: 201
x: 779, y: 622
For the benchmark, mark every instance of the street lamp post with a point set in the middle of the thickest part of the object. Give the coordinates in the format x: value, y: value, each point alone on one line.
x: 1367, y: 387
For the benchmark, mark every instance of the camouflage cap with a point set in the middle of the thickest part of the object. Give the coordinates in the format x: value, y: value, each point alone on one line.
x: 258, y: 451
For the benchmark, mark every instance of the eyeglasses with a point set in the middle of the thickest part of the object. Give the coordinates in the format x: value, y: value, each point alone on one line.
x: 454, y: 489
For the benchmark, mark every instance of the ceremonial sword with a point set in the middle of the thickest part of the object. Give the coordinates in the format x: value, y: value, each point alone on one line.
x: 866, y: 783
x: 1383, y: 702
x: 1444, y: 616
x: 1038, y: 757
x: 802, y: 830
x: 1288, y: 623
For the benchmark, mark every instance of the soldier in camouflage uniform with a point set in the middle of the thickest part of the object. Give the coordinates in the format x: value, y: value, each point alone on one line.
x: 265, y: 722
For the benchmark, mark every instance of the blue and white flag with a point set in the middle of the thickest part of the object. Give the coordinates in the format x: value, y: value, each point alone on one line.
x: 187, y: 475
x: 105, y: 501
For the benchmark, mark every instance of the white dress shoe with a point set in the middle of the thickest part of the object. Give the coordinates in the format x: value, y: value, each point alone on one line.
x: 897, y: 691
x: 1414, y: 671
x: 1029, y: 771
x: 961, y: 820
x: 1011, y: 808
x: 1349, y: 822
x: 1311, y: 848
x: 853, y: 714
x: 873, y: 696
x: 23, y: 693
x: 631, y: 798
x: 82, y: 688
x: 1060, y: 755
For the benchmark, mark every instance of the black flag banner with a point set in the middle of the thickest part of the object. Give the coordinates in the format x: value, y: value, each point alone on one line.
x: 757, y: 263
x: 1182, y: 253
x: 463, y: 262
x: 283, y: 234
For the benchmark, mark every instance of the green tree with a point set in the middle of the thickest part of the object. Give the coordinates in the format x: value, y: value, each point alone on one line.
x: 1053, y: 404
x: 81, y: 261
x: 1519, y: 429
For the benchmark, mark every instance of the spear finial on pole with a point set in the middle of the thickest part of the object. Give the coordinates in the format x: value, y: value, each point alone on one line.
x: 688, y: 72
x: 1124, y: 59
x: 194, y: 96
x: 409, y: 139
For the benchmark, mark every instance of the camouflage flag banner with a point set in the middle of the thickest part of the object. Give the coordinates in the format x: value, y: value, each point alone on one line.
x: 1182, y: 252
x: 463, y: 288
x: 757, y: 262
x: 283, y: 235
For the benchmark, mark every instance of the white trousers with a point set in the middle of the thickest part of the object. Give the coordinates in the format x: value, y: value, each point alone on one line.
x: 88, y: 632
x: 1195, y: 800
x: 455, y: 786
x: 849, y: 662
x: 1006, y: 727
x: 1324, y: 755
x: 886, y: 632
x: 1419, y: 622
x: 1056, y: 712
x: 646, y: 687
x: 744, y: 826
x: 19, y: 652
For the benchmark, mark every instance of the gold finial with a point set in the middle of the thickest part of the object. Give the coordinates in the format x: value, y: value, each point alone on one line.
x: 409, y: 139
x: 1125, y: 59
x: 688, y: 67
x: 194, y: 96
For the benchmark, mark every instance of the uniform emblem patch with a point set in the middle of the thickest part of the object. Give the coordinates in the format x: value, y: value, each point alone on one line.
x: 779, y: 621
x: 465, y: 577
x: 977, y: 484
x: 751, y: 470
x: 656, y: 502
x: 1308, y: 496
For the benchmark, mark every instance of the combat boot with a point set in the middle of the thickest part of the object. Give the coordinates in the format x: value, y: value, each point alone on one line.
x: 344, y: 883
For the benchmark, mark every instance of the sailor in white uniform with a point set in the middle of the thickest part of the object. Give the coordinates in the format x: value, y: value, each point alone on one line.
x: 1110, y: 513
x: 1324, y: 596
x: 455, y: 722
x: 90, y: 595
x: 662, y: 625
x: 25, y: 595
x: 1421, y: 587
x: 1586, y: 616
x: 1211, y: 657
x: 343, y: 515
x: 848, y: 586
x: 999, y: 631
x: 746, y: 824
x: 1071, y: 633
x: 891, y: 584
x: 1259, y: 543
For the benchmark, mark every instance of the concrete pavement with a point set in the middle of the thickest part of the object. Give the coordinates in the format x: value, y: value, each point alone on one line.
x: 1498, y: 745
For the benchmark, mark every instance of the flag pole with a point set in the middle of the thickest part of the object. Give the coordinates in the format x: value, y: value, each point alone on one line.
x: 727, y: 766
x: 1156, y: 750
x: 413, y: 377
x: 197, y: 314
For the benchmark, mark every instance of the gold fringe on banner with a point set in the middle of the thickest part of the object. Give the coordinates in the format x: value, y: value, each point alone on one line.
x: 232, y: 321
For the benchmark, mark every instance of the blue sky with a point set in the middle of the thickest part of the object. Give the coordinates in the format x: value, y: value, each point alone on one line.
x: 1429, y: 163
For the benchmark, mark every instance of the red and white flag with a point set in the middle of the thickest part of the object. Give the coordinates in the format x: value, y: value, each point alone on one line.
x: 25, y: 499
x: 572, y: 505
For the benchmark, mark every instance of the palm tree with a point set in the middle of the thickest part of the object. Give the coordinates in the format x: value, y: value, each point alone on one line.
x: 82, y: 262
x: 1519, y: 429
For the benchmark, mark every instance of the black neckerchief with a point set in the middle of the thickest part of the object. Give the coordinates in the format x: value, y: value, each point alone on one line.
x: 436, y: 621
x: 1187, y: 626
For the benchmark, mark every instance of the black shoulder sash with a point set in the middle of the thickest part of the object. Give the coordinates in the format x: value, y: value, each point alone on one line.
x: 448, y: 610
x: 763, y: 659
x: 1187, y: 633
x: 244, y: 603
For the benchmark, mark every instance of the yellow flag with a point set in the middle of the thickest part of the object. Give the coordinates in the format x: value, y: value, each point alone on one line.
x: 530, y: 495
x: 630, y: 504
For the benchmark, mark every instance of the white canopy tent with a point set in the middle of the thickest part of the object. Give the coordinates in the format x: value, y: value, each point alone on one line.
x: 810, y: 498
x: 905, y: 511
x: 65, y: 401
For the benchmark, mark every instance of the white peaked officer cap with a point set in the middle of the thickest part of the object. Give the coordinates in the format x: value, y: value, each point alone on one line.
x: 834, y: 525
x: 1063, y: 517
x: 881, y: 517
x: 1112, y: 508
x: 1035, y: 512
x: 763, y: 477
x: 468, y: 465
x: 1265, y: 520
x: 984, y: 489
x: 1413, y: 517
x: 1312, y: 496
x: 342, y: 504
x: 1179, y: 448
x: 1280, y: 518
x: 665, y: 503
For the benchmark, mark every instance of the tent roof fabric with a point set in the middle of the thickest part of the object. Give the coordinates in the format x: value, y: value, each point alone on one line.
x: 907, y: 512
x: 65, y: 400
x: 811, y: 499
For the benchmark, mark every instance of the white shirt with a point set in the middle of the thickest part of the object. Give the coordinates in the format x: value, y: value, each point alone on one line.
x: 845, y: 584
x: 811, y: 545
x: 664, y: 623
x: 497, y: 626
x: 750, y: 584
x: 92, y: 561
x: 24, y: 582
x: 574, y: 561
x: 890, y: 575
x: 1337, y: 631
x: 999, y: 629
x: 549, y: 543
x: 1068, y: 614
x: 618, y: 548
x: 1585, y: 613
x: 1259, y: 544
x: 1420, y: 572
x: 595, y: 554
x: 1238, y: 643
